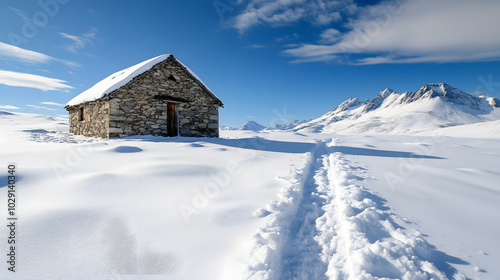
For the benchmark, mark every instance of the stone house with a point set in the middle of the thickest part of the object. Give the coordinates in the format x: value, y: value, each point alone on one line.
x: 160, y: 97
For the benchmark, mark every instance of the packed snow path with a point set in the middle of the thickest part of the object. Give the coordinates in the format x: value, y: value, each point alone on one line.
x: 325, y: 225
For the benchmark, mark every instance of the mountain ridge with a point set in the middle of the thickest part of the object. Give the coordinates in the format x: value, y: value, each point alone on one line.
x: 432, y: 106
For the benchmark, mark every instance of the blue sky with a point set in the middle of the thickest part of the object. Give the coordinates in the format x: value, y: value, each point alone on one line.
x: 267, y: 60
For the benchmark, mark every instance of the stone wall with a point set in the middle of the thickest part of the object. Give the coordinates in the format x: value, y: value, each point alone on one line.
x: 140, y: 107
x: 95, y: 121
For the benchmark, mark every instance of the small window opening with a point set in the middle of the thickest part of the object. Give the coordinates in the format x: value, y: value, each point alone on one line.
x: 171, y: 78
x: 81, y: 117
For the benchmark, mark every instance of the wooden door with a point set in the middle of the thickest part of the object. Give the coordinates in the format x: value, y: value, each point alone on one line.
x: 172, y: 128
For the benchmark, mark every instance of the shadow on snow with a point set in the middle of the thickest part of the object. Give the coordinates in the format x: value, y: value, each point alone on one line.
x: 266, y: 145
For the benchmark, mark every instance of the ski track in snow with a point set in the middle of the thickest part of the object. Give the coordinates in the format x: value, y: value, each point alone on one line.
x: 326, y: 225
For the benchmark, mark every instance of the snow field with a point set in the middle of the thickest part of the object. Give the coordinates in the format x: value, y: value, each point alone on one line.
x: 111, y: 209
x: 325, y: 225
x: 445, y: 187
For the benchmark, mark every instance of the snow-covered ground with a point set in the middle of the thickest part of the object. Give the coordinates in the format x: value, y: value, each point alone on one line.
x: 251, y: 205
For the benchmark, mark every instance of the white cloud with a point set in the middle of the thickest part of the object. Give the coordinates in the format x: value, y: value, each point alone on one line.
x: 9, y: 107
x: 319, y: 58
x: 52, y: 103
x: 257, y: 46
x: 289, y: 37
x: 280, y: 12
x: 79, y: 42
x: 44, y: 70
x: 40, y: 107
x: 20, y: 54
x: 330, y: 35
x: 69, y: 63
x: 17, y: 79
x: 328, y: 18
x: 417, y: 31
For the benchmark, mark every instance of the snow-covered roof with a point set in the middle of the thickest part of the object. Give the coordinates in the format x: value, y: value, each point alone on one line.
x: 123, y: 77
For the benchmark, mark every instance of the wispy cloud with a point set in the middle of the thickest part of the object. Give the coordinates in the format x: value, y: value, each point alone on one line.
x: 19, y: 13
x: 412, y: 32
x: 257, y: 46
x: 330, y: 35
x: 80, y: 42
x: 40, y: 107
x: 287, y: 38
x: 19, y: 54
x: 16, y: 53
x: 318, y: 58
x: 17, y: 79
x: 280, y: 12
x: 44, y: 70
x: 52, y: 103
x: 69, y: 63
x: 389, y: 31
x: 9, y: 107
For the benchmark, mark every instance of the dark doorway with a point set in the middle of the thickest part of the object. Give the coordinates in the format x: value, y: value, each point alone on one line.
x: 172, y: 128
x: 81, y: 116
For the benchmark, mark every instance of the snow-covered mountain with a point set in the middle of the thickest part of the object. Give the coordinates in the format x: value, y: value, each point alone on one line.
x: 431, y: 107
x: 289, y: 125
x: 223, y: 127
x: 251, y: 125
x: 255, y: 126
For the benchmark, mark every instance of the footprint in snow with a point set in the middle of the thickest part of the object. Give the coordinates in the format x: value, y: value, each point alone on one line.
x: 196, y: 145
x: 127, y: 149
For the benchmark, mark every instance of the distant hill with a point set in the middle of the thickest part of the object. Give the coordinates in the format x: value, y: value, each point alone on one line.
x: 252, y: 125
